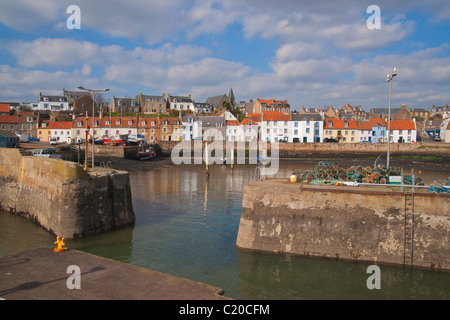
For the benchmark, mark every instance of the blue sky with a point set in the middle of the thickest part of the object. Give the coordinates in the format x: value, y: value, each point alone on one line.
x: 313, y: 53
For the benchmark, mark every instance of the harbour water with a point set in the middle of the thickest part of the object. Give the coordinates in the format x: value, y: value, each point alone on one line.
x: 186, y: 225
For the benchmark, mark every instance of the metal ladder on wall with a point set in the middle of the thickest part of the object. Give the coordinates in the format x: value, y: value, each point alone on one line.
x: 408, y: 246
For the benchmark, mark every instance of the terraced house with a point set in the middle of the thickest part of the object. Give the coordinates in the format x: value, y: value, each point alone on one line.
x: 344, y: 131
x: 273, y: 105
x: 23, y: 122
x: 125, y: 105
x: 170, y: 129
x: 149, y: 128
x: 153, y: 104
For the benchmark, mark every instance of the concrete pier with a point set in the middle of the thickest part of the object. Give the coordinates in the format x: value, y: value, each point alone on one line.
x: 41, y: 274
x: 344, y: 222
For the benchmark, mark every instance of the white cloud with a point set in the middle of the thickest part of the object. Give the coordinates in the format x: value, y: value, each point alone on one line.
x: 46, y: 52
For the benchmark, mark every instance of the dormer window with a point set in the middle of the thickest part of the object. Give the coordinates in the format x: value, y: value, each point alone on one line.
x: 80, y: 123
x: 346, y: 124
x: 119, y: 103
x: 165, y: 122
x: 45, y: 99
x: 133, y: 103
x: 130, y: 123
x: 330, y: 124
x: 118, y: 123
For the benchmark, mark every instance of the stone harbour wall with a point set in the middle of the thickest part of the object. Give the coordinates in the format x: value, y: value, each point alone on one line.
x: 342, y: 222
x: 63, y: 198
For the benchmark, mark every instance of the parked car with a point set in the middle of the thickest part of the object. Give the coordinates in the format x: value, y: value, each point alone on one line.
x: 53, y: 141
x: 437, y: 139
x: 33, y: 139
x: 329, y: 140
x: 45, y: 153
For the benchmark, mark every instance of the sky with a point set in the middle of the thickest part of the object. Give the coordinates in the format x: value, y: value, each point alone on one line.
x: 312, y: 53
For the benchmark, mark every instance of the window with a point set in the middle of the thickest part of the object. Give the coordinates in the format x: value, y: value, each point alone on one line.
x: 296, y: 132
x: 307, y: 130
x: 117, y: 122
x: 296, y: 124
x: 107, y: 123
x: 130, y: 122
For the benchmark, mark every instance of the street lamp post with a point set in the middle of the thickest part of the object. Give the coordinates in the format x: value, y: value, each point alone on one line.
x: 91, y: 92
x: 389, y: 79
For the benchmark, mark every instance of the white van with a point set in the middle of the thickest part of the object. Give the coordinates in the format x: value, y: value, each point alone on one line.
x: 22, y: 137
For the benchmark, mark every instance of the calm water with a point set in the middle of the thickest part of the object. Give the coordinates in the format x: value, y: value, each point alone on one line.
x: 186, y: 225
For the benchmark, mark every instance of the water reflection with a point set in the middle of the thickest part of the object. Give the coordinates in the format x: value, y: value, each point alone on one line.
x: 186, y: 225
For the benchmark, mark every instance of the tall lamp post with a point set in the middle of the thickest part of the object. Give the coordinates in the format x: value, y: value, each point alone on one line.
x: 389, y: 79
x: 92, y: 91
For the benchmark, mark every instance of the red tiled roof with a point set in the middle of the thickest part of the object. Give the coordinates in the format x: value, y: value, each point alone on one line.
x: 251, y: 119
x: 62, y: 125
x: 170, y: 120
x: 275, y: 116
x: 148, y: 122
x: 403, y: 125
x: 364, y: 125
x: 4, y: 107
x: 232, y: 123
x: 48, y: 126
x: 378, y: 121
x: 339, y: 124
x: 284, y: 103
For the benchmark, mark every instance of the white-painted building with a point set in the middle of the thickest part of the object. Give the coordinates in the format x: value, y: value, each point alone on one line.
x: 62, y: 131
x: 364, y: 131
x: 187, y: 122
x: 275, y: 126
x: 305, y: 128
x: 51, y: 104
x: 403, y: 131
x: 181, y: 103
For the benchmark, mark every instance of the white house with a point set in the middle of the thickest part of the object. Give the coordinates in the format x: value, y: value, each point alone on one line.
x: 187, y: 122
x: 62, y: 131
x: 251, y: 127
x: 275, y: 126
x: 403, y: 131
x: 181, y: 103
x: 51, y: 103
x: 364, y: 131
x: 305, y: 128
x: 234, y: 131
